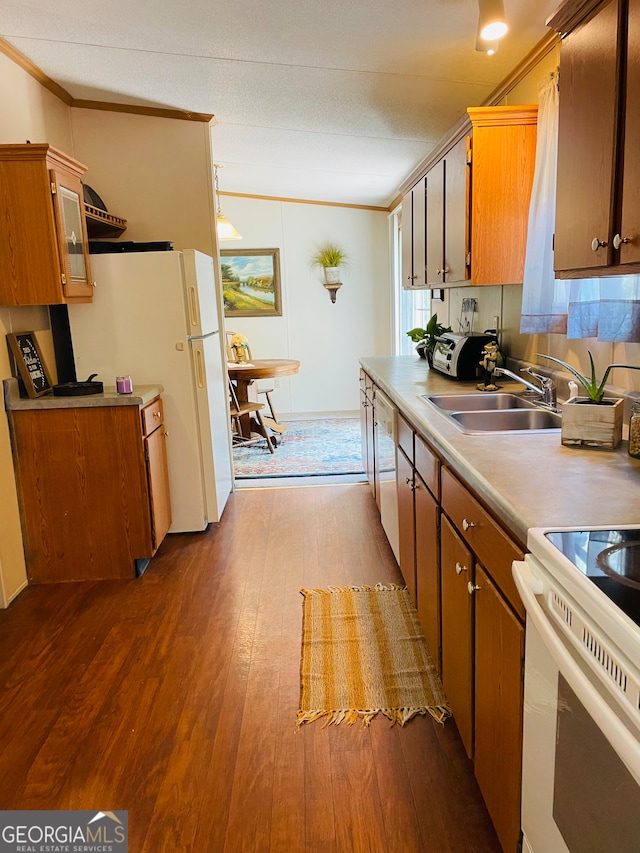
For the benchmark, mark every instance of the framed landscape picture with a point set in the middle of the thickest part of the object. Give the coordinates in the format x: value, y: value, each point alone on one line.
x: 251, y: 282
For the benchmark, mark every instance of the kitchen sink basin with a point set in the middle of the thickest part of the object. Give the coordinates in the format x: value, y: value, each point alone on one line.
x: 507, y: 420
x: 479, y: 401
x: 500, y: 412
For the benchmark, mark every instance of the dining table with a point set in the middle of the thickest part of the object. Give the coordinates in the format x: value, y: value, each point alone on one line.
x: 244, y: 375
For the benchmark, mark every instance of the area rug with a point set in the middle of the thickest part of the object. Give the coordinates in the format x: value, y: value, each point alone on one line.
x: 308, y: 449
x: 363, y: 653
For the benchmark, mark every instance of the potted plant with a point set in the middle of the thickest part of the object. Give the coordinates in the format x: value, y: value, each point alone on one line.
x: 594, y: 420
x: 329, y: 256
x: 426, y: 338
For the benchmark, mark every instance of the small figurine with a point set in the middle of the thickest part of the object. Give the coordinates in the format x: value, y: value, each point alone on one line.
x: 491, y: 358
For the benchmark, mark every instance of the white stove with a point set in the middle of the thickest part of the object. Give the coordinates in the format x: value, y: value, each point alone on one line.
x: 581, y: 756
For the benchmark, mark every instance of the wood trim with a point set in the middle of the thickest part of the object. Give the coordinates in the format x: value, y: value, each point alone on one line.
x: 158, y: 112
x: 571, y: 14
x: 307, y: 201
x: 463, y: 125
x: 503, y: 116
x: 20, y: 59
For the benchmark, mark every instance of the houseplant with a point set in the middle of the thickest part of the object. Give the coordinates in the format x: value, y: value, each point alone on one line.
x: 594, y: 420
x: 329, y: 256
x: 426, y: 338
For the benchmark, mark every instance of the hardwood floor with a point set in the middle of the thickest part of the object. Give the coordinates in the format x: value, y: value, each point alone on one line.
x: 174, y: 696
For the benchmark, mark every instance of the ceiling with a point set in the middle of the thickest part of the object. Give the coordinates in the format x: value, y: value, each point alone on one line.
x: 333, y: 101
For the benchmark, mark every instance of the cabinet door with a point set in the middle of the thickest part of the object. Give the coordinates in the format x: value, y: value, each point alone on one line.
x: 630, y: 222
x: 499, y: 651
x: 456, y: 214
x: 406, y: 523
x: 413, y: 237
x: 427, y: 515
x: 586, y: 143
x: 457, y: 635
x: 435, y: 224
x: 366, y: 437
x: 72, y: 234
x: 158, y: 478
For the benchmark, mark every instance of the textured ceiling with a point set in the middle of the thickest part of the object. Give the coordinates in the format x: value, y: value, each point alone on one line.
x: 328, y: 101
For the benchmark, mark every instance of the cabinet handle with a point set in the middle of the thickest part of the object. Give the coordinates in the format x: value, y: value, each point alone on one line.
x: 598, y: 244
x: 166, y: 433
x: 411, y: 277
x: 472, y: 587
x: 93, y: 284
x: 618, y: 241
x: 407, y: 480
x: 460, y: 568
x: 156, y: 414
x: 467, y: 524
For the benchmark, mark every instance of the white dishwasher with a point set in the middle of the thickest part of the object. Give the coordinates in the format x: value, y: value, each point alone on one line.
x: 384, y: 466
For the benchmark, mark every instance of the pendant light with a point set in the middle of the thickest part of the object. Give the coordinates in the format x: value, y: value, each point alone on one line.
x: 492, y: 22
x: 225, y: 229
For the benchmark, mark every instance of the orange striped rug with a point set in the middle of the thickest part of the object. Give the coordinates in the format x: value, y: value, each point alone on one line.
x: 363, y: 653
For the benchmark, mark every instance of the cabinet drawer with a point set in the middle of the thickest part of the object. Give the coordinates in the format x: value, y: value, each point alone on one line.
x: 405, y: 438
x: 427, y: 465
x: 491, y: 545
x: 152, y: 416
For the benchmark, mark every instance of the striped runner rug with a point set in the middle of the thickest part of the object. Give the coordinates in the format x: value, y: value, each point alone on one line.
x: 363, y: 653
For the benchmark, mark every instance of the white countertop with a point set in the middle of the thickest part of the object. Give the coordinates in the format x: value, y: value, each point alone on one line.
x: 527, y: 480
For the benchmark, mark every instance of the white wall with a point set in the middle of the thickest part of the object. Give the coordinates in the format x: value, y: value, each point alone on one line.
x: 328, y: 339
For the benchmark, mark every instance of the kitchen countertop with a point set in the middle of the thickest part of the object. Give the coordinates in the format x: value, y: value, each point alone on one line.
x: 527, y: 480
x: 142, y: 394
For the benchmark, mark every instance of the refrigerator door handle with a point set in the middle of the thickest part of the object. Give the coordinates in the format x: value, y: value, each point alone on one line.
x: 199, y: 368
x: 193, y: 307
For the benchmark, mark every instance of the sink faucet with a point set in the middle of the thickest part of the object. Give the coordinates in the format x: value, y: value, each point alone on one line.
x: 546, y: 390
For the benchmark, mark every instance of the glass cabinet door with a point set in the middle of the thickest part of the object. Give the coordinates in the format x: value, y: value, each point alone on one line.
x: 71, y: 235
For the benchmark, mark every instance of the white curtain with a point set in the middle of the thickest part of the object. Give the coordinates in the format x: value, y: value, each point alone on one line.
x: 544, y: 298
x: 605, y: 308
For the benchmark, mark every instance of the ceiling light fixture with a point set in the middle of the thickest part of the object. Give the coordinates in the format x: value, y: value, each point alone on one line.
x: 492, y: 23
x: 488, y: 47
x: 225, y: 229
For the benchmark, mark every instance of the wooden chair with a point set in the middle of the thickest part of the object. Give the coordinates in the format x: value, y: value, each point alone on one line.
x: 237, y: 411
x: 263, y: 389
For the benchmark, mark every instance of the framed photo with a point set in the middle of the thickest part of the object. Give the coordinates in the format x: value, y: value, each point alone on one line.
x: 31, y: 367
x: 251, y: 282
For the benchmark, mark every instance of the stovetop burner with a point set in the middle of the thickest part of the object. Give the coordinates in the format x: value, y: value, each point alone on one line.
x: 610, y: 559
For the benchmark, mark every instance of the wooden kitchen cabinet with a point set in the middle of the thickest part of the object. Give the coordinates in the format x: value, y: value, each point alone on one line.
x: 406, y: 521
x: 597, y: 230
x: 44, y: 255
x: 447, y: 218
x: 457, y: 630
x: 503, y: 153
x: 477, y: 554
x: 93, y: 489
x: 499, y: 661
x: 413, y: 237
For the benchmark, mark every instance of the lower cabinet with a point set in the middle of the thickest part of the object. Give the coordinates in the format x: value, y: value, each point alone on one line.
x: 483, y: 650
x: 457, y: 631
x: 93, y: 489
x: 406, y: 521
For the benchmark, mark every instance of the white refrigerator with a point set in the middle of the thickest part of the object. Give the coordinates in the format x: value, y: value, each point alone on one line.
x: 155, y: 317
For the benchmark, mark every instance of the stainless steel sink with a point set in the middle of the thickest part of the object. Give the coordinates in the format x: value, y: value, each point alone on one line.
x: 507, y: 420
x: 479, y: 401
x: 494, y: 412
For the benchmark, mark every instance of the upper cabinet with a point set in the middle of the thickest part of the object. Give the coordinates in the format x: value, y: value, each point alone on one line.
x: 503, y: 155
x: 44, y: 256
x: 477, y: 204
x: 598, y: 193
x: 413, y: 237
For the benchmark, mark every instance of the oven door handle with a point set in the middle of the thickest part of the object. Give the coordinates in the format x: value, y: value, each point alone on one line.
x: 618, y: 735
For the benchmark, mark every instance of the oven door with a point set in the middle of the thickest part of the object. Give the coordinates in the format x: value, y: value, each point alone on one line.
x: 581, y: 749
